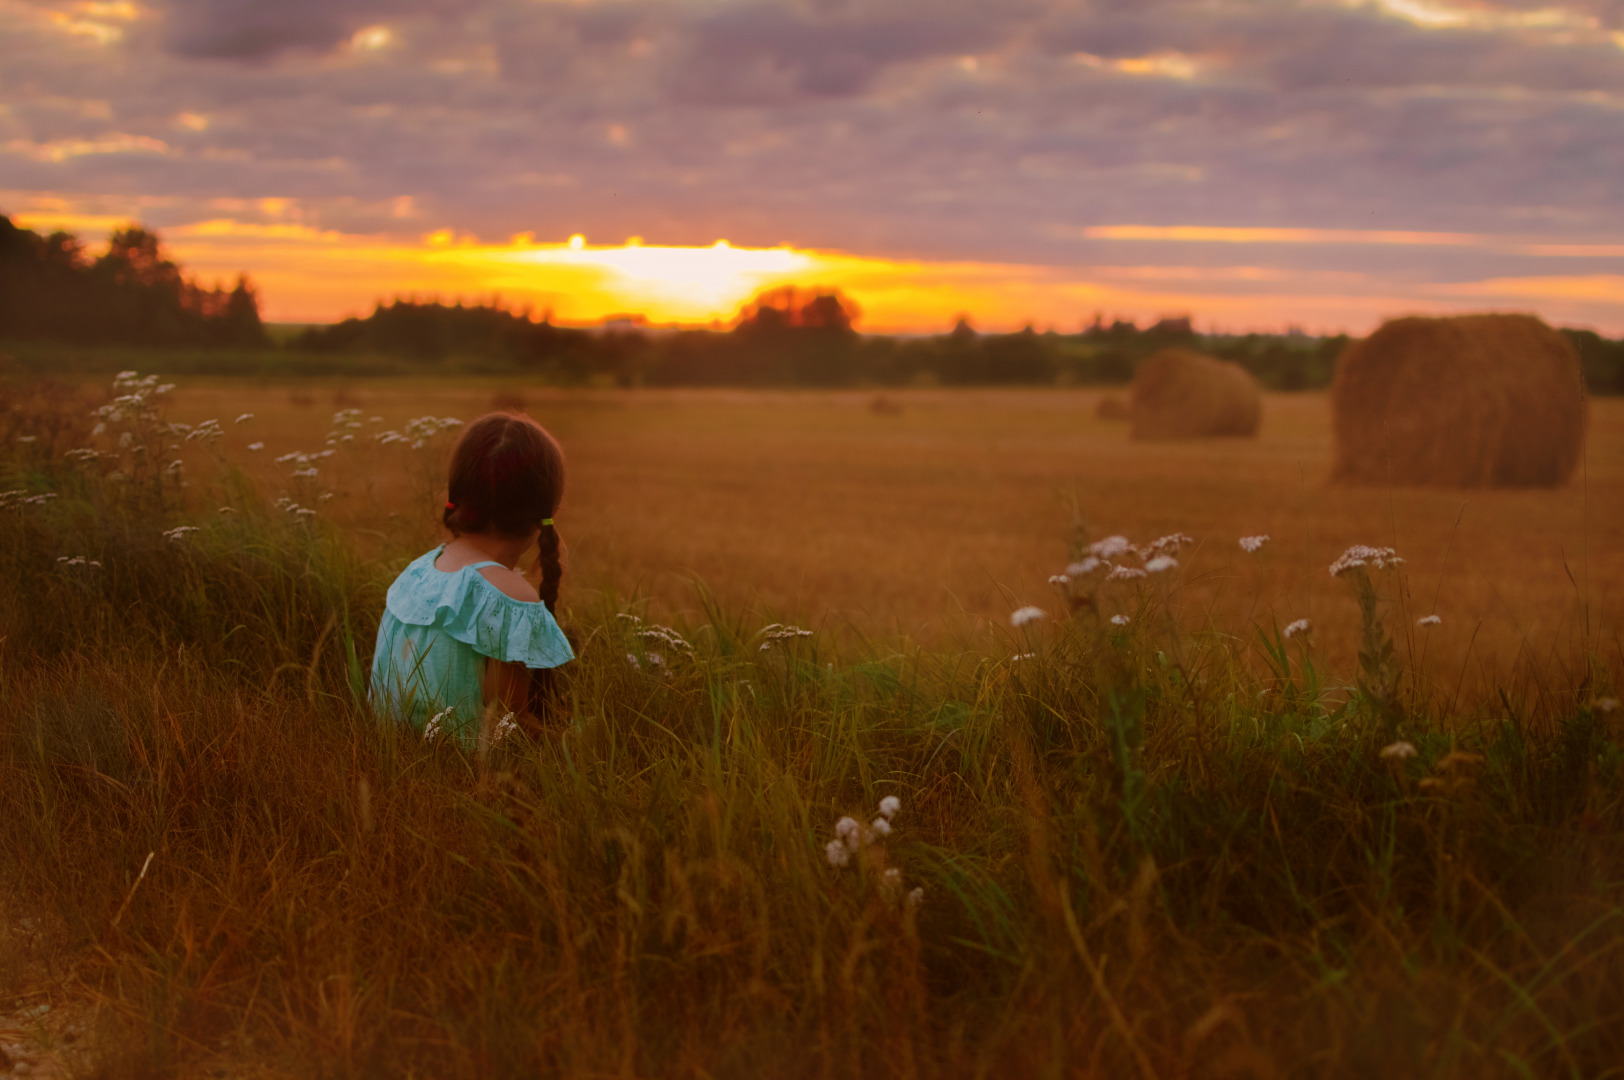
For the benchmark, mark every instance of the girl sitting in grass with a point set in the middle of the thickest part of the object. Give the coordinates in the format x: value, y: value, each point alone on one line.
x: 463, y: 630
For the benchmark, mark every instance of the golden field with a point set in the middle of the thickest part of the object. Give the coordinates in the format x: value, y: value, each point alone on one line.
x: 935, y: 518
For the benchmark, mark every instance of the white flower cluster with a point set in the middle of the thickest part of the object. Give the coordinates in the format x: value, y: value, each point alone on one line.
x: 1120, y: 620
x: 1107, y: 556
x: 19, y: 497
x: 291, y: 507
x: 84, y: 455
x: 1361, y: 555
x: 1398, y: 751
x: 1301, y: 626
x: 244, y: 418
x: 207, y: 431
x: 77, y: 560
x: 852, y: 837
x: 179, y: 532
x: 1429, y: 620
x: 1251, y: 544
x: 1023, y: 615
x: 777, y: 633
x: 504, y: 727
x: 418, y: 432
x: 432, y: 729
x: 655, y: 632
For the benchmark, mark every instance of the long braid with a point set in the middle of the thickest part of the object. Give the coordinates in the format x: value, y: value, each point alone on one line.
x: 550, y: 549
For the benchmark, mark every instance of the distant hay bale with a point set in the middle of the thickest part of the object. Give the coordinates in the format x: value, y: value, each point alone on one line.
x: 1179, y: 394
x: 1469, y: 401
x: 1111, y: 407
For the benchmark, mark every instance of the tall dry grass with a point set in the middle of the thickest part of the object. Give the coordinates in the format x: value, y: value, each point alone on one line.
x: 1139, y: 856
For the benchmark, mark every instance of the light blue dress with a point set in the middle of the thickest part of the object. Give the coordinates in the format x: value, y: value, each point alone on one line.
x: 437, y: 630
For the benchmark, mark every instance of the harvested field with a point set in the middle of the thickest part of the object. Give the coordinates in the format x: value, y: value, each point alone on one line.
x: 940, y: 518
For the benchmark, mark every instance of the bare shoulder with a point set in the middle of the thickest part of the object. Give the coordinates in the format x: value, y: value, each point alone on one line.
x: 511, y: 583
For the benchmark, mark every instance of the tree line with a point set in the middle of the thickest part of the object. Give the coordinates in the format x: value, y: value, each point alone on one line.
x: 50, y: 289
x: 134, y: 295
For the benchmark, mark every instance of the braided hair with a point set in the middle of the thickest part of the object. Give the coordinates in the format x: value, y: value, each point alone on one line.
x: 507, y: 476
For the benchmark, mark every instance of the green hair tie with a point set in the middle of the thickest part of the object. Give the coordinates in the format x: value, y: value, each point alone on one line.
x: 546, y: 521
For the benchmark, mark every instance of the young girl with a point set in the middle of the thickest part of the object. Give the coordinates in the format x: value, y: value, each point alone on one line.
x: 462, y: 630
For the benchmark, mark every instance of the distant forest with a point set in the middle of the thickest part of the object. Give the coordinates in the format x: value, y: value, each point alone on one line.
x: 53, y: 295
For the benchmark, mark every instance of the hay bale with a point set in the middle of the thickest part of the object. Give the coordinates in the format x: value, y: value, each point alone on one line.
x: 1111, y: 407
x: 1469, y: 401
x: 1179, y: 394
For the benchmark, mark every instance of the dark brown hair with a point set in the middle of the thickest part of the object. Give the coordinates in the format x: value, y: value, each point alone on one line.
x: 507, y: 476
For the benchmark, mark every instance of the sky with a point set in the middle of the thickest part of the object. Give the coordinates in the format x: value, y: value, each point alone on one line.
x: 1252, y: 164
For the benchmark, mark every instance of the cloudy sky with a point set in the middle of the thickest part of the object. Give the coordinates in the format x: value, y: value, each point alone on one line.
x: 1254, y: 163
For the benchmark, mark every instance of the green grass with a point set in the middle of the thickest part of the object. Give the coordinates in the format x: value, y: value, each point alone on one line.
x: 1141, y: 853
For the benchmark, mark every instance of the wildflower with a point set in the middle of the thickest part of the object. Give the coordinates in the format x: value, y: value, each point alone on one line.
x: 778, y: 632
x: 431, y: 730
x: 100, y: 427
x: 1059, y: 579
x: 256, y: 446
x: 633, y: 661
x: 1110, y: 547
x: 1124, y: 573
x: 505, y: 727
x: 916, y: 897
x: 374, y: 419
x: 892, y: 878
x: 881, y: 826
x: 324, y: 496
x: 890, y: 807
x: 1397, y: 751
x: 27, y: 438
x: 1362, y: 555
x: 82, y: 455
x: 1429, y: 620
x: 1024, y: 656
x: 835, y: 851
x: 1021, y: 616
x: 1084, y: 567
x: 165, y: 388
x: 850, y: 831
x: 1606, y: 705
x: 1250, y: 544
x: 178, y: 533
x: 77, y: 560
x: 305, y: 473
x: 1161, y: 563
x: 244, y: 417
x: 1170, y: 544
x: 303, y: 511
x: 124, y: 440
x: 1120, y: 620
x: 227, y: 510
x: 1301, y: 626
x: 293, y: 456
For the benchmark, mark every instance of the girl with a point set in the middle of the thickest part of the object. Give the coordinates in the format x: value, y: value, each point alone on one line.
x: 462, y: 630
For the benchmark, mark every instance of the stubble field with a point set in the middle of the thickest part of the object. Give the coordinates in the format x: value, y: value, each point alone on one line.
x: 937, y: 514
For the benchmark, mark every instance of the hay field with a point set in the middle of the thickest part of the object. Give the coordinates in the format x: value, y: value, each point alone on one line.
x: 934, y: 522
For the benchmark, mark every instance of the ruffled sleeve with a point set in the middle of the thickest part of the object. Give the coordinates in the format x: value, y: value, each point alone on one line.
x: 478, y: 614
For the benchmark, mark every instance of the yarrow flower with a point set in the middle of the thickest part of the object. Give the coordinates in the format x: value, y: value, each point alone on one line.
x: 1398, y: 751
x: 245, y: 416
x: 881, y: 826
x: 779, y: 632
x: 1250, y: 544
x: 431, y: 730
x: 179, y: 532
x: 837, y: 853
x: 1124, y: 573
x: 1429, y: 620
x: 1161, y: 563
x: 1110, y: 547
x: 1084, y: 567
x: 1119, y: 620
x: 256, y: 446
x: 890, y: 806
x: 1362, y: 555
x: 1023, y: 615
x: 505, y: 727
x: 1170, y: 544
x: 1301, y: 626
x: 1059, y: 579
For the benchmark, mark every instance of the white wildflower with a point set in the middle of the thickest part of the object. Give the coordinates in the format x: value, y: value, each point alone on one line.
x: 1120, y: 620
x: 1110, y: 547
x: 1250, y: 544
x: 165, y: 388
x: 305, y: 473
x: 100, y: 427
x: 1161, y: 563
x: 1085, y: 567
x: 837, y: 854
x: 256, y: 446
x: 227, y: 510
x: 124, y: 440
x: 890, y: 807
x: 83, y: 455
x: 881, y: 826
x: 892, y: 878
x: 916, y: 896
x: 324, y: 496
x: 1301, y: 626
x: 1362, y: 555
x: 179, y: 532
x: 1170, y: 544
x: 779, y: 632
x: 303, y: 511
x: 848, y: 829
x: 1059, y: 579
x: 1397, y: 751
x: 243, y: 418
x: 1021, y: 616
x: 1124, y: 573
x: 431, y: 730
x: 27, y: 438
x: 374, y: 419
x: 1024, y: 656
x: 505, y: 727
x: 1606, y: 705
x: 1429, y: 620
x: 634, y: 662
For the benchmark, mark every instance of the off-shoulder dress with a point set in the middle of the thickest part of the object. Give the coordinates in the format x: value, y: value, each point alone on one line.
x: 438, y: 629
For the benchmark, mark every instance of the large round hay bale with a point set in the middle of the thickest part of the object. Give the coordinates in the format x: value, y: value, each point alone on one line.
x: 1179, y: 394
x: 1468, y: 401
